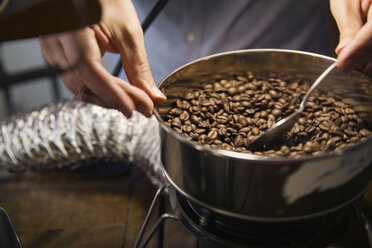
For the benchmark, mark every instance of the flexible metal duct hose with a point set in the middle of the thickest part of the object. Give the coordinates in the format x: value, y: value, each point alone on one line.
x: 61, y: 134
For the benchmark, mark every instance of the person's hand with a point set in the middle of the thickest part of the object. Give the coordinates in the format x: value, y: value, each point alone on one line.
x: 354, y: 20
x: 119, y: 32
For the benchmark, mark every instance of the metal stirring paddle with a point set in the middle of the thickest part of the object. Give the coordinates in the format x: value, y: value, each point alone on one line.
x: 285, y: 124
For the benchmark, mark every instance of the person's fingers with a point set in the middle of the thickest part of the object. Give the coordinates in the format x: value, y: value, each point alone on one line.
x: 105, y: 86
x: 141, y: 100
x: 104, y: 41
x: 359, y: 50
x: 364, y: 7
x: 117, y: 93
x: 135, y: 94
x: 90, y: 97
x: 91, y: 74
x: 53, y: 50
x: 349, y: 20
x: 138, y: 71
x: 113, y: 91
x: 127, y: 37
x: 90, y: 81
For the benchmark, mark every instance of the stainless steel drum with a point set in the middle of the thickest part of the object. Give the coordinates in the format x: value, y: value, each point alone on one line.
x: 262, y: 188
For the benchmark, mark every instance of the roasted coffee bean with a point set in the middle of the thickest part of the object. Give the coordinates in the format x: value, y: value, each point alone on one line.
x: 195, y: 136
x: 364, y: 132
x: 186, y: 128
x: 184, y: 116
x: 243, y: 120
x: 194, y: 102
x: 226, y: 107
x: 204, y: 124
x: 238, y: 141
x: 200, y: 131
x: 213, y: 134
x: 238, y: 126
x: 206, y: 103
x: 273, y: 94
x: 324, y: 127
x: 176, y: 122
x: 183, y: 104
x: 222, y: 119
x: 222, y: 131
x: 175, y: 111
x: 230, y: 113
x: 349, y: 111
x: 195, y: 119
x: 276, y: 112
x: 350, y: 132
x: 232, y: 91
x: 255, y: 131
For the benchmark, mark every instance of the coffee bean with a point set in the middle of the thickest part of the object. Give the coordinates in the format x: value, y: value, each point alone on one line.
x: 222, y: 119
x: 238, y: 141
x: 183, y: 104
x: 200, y: 131
x: 195, y: 119
x: 276, y: 112
x: 230, y: 113
x: 226, y: 107
x: 273, y: 94
x: 243, y: 120
x: 350, y: 132
x: 255, y: 131
x: 237, y: 126
x: 184, y: 116
x: 364, y: 132
x: 187, y: 128
x: 241, y: 88
x: 195, y: 136
x: 349, y: 111
x: 175, y: 111
x: 176, y: 122
x: 232, y: 91
x: 204, y: 124
x: 213, y: 134
x: 222, y: 131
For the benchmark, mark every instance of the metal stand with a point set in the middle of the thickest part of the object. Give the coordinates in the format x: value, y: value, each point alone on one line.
x: 161, y: 219
x: 367, y: 227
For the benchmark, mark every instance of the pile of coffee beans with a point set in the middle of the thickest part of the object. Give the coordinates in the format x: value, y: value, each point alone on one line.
x: 229, y: 113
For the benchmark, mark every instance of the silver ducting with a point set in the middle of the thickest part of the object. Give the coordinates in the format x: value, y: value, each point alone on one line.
x: 64, y: 133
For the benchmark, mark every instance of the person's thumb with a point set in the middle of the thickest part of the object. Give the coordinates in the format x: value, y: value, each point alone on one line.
x: 349, y: 20
x: 134, y: 58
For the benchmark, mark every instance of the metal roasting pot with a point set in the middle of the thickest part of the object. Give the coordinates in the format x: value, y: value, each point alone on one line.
x: 261, y: 188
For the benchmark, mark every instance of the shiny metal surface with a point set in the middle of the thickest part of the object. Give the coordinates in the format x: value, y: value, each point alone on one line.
x: 259, y: 187
x: 61, y: 134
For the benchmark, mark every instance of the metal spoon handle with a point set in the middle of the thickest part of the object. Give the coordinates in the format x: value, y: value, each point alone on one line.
x: 315, y: 84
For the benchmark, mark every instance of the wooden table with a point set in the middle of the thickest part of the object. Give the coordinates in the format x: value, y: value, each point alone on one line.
x: 58, y: 210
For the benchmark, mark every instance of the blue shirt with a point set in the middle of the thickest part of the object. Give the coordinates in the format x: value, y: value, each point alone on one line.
x: 189, y: 29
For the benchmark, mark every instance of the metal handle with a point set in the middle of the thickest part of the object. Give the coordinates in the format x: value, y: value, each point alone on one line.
x: 315, y: 84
